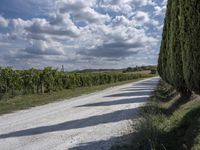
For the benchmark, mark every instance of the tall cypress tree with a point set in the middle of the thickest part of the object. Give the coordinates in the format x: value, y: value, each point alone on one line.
x: 190, y: 42
x: 163, y: 60
x: 170, y: 65
x: 175, y: 50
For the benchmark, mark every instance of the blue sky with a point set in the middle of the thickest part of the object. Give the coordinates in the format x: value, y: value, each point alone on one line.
x: 80, y: 34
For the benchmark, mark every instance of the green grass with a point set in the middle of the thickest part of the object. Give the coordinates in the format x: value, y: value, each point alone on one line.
x: 32, y: 100
x: 168, y: 123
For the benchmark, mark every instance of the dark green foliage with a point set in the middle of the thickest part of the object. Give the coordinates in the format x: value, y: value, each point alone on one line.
x: 142, y: 68
x: 190, y: 42
x: 153, y: 71
x: 16, y: 82
x: 163, y: 61
x: 177, y: 77
x: 170, y: 60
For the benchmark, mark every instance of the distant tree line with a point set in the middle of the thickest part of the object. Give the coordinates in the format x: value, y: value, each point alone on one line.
x: 153, y: 69
x: 34, y: 81
x: 179, y: 58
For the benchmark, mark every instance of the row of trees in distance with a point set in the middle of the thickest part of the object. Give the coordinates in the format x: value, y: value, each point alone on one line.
x: 153, y: 69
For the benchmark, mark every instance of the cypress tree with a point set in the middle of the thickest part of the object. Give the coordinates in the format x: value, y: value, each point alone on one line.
x: 190, y: 42
x: 163, y: 60
x: 176, y: 68
x: 170, y: 65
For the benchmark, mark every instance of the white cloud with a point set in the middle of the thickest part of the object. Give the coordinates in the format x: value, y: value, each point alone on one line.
x: 141, y: 18
x: 39, y: 47
x: 81, y: 11
x: 3, y: 22
x: 42, y: 26
x: 160, y: 10
x: 76, y: 32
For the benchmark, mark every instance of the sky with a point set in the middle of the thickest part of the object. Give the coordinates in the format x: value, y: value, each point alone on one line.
x: 80, y: 34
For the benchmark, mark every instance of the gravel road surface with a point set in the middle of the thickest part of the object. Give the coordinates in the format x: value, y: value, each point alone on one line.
x: 90, y: 122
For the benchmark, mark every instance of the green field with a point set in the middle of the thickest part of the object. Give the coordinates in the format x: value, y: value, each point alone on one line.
x: 24, y: 101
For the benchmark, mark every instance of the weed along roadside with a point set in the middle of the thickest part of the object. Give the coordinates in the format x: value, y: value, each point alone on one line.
x: 167, y: 123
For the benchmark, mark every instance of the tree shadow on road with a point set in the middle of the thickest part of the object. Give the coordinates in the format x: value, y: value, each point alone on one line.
x: 146, y: 85
x: 117, y: 102
x: 125, y: 94
x: 140, y: 89
x: 103, y: 144
x: 116, y: 116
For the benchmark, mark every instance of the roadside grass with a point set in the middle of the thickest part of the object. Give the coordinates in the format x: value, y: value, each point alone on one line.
x: 167, y: 123
x: 26, y: 101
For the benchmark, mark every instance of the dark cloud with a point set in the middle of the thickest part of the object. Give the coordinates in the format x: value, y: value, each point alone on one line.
x: 40, y: 47
x: 111, y: 2
x: 38, y: 51
x: 36, y: 36
x: 51, y: 30
x: 113, y: 50
x: 72, y: 6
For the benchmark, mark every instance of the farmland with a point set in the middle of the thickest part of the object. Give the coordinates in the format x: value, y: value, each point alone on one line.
x: 22, y: 89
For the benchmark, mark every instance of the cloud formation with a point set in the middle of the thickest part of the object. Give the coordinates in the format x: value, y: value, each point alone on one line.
x: 80, y: 34
x: 113, y: 50
x: 3, y: 22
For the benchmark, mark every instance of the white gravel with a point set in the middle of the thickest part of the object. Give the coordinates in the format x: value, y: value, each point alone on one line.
x: 90, y: 122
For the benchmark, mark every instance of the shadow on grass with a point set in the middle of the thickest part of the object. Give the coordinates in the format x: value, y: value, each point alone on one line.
x: 187, y: 130
x: 177, y: 104
x: 181, y: 137
x: 156, y: 109
x: 154, y: 131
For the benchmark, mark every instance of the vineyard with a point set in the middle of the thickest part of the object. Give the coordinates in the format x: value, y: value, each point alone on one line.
x: 33, y: 81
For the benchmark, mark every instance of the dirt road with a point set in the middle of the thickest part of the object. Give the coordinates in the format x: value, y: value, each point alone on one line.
x: 91, y: 122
